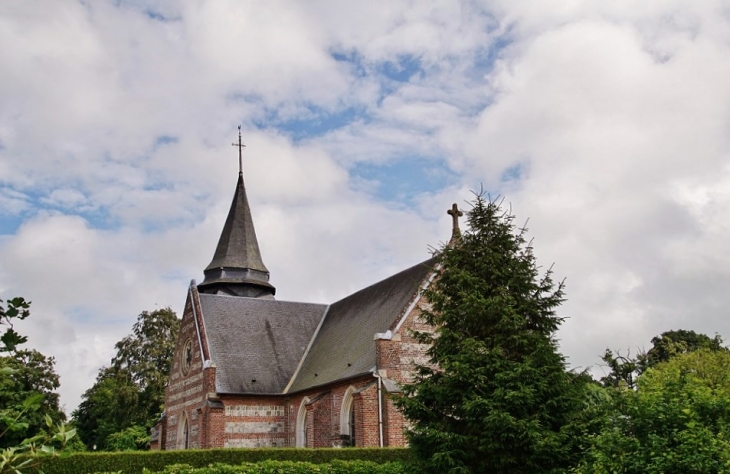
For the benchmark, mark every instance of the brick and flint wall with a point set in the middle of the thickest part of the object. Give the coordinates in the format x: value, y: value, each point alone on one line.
x: 254, y: 422
x: 396, y: 358
x: 186, y: 393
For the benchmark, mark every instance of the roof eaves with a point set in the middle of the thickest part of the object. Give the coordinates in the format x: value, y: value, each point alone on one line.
x: 351, y: 377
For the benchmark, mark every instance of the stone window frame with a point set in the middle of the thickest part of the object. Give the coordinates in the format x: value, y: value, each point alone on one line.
x: 301, y: 425
x: 346, y: 428
x: 183, y: 436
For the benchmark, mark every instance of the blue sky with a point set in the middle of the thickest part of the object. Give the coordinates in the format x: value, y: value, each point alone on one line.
x: 605, y: 124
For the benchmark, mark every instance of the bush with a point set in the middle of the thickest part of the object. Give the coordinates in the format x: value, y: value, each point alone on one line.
x: 133, y: 438
x: 133, y: 462
x: 289, y: 467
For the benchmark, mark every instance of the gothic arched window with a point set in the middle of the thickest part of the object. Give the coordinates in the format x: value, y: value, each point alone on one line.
x: 347, y: 417
x: 301, y: 433
x: 183, y: 438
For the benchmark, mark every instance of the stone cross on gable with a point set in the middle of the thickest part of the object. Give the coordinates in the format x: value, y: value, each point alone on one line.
x: 240, y: 146
x: 455, y: 213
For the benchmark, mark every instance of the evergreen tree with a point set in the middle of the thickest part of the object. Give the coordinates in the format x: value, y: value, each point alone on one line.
x: 497, y: 397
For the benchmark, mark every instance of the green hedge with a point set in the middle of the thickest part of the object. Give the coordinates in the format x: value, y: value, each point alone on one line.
x: 132, y: 462
x: 291, y: 467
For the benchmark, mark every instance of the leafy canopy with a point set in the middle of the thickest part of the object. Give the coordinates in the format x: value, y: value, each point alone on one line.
x: 17, y: 309
x: 625, y: 370
x: 128, y: 396
x: 31, y: 425
x: 496, y: 396
x: 676, y: 421
x: 33, y: 377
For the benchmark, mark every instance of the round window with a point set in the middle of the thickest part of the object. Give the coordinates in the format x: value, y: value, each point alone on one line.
x: 187, y: 356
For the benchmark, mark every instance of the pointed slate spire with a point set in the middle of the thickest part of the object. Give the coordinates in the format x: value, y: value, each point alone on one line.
x: 237, y: 268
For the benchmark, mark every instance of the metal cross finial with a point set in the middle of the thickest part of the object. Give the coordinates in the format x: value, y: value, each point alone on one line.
x: 240, y: 146
x: 455, y: 213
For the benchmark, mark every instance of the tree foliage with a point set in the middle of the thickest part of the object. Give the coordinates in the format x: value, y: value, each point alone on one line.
x: 130, y: 393
x: 109, y: 406
x: 497, y: 396
x: 676, y: 421
x: 672, y: 343
x: 133, y: 438
x: 33, y: 375
x: 17, y: 309
x: 625, y: 370
x: 146, y: 356
x: 31, y: 425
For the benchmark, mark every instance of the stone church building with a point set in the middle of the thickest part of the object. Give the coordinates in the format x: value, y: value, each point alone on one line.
x: 252, y: 371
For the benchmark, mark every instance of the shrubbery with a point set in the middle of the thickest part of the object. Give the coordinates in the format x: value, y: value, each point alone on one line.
x: 133, y: 462
x: 289, y: 467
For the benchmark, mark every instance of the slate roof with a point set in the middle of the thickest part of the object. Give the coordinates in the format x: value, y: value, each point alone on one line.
x: 257, y: 339
x: 344, y: 346
x: 237, y: 256
x: 238, y: 246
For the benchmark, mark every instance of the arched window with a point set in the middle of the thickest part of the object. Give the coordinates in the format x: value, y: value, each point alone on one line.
x: 347, y: 417
x: 183, y: 438
x: 301, y: 434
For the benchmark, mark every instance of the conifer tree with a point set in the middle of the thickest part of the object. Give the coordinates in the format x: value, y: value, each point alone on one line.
x: 497, y: 397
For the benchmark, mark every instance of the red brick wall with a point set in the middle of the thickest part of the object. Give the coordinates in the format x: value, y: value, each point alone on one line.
x: 324, y: 411
x: 395, y: 356
x: 185, y: 393
x: 394, y: 423
x: 395, y: 361
x: 253, y: 422
x: 367, y: 431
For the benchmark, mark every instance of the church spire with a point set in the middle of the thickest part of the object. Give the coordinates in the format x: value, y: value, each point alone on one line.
x: 237, y: 268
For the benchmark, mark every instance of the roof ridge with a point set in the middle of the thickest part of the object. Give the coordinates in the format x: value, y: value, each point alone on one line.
x: 362, y: 290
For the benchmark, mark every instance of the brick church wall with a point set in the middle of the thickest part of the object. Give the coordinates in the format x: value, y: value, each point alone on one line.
x: 324, y: 409
x: 393, y: 424
x: 395, y: 361
x: 367, y: 432
x: 396, y: 356
x: 271, y: 421
x: 255, y: 422
x: 186, y: 393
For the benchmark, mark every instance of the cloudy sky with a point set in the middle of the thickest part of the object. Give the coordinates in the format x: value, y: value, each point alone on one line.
x: 607, y: 124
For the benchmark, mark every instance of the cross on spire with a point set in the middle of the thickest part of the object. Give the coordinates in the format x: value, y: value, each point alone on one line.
x: 240, y: 146
x: 455, y: 213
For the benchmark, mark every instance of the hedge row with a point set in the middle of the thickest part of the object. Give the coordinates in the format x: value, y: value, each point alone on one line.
x: 290, y: 467
x: 132, y: 462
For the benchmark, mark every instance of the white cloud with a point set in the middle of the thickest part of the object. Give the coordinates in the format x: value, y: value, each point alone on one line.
x: 613, y: 119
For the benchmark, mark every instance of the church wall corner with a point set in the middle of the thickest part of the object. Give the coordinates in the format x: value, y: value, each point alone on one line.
x: 185, y: 391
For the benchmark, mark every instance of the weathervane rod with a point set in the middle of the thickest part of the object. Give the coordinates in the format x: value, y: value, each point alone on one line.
x: 240, y: 146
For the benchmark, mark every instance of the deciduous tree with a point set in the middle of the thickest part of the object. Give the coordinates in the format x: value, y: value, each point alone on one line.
x: 33, y: 374
x: 28, y: 405
x: 676, y: 421
x: 625, y: 370
x: 130, y: 393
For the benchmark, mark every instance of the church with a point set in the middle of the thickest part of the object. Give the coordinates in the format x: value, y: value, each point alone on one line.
x: 252, y: 371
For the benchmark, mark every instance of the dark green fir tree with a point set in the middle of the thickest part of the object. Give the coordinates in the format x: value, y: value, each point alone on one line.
x: 497, y: 397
